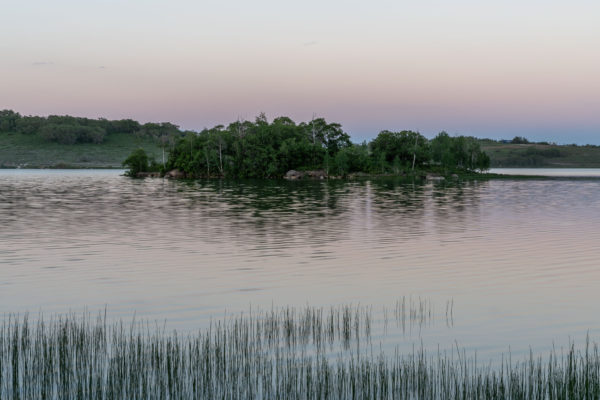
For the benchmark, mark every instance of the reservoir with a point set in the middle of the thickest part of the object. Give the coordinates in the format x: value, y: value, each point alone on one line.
x: 501, y: 265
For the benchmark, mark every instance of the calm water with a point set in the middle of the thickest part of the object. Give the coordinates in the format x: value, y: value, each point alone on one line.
x: 552, y: 172
x: 519, y: 259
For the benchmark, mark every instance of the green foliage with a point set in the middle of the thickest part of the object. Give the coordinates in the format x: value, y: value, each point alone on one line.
x: 396, y: 151
x: 138, y: 161
x: 519, y: 140
x: 8, y: 120
x: 165, y: 132
x: 29, y: 125
x: 72, y: 133
x: 353, y: 158
x: 259, y: 149
x: 458, y: 152
x: 65, y: 129
x: 123, y: 125
x: 263, y: 149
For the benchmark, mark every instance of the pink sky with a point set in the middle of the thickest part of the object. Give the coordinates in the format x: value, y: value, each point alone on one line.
x: 497, y: 71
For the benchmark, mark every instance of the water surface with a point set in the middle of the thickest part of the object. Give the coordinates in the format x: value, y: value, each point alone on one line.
x: 518, y: 258
x: 551, y: 172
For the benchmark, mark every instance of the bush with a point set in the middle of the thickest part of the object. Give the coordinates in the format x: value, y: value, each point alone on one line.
x: 137, y: 162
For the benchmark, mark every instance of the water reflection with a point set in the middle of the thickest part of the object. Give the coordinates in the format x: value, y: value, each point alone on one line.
x: 232, y: 211
x: 519, y: 258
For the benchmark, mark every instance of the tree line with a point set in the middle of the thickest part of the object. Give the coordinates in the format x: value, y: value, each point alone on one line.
x: 66, y: 129
x: 263, y: 149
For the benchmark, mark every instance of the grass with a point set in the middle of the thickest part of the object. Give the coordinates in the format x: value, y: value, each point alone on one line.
x: 541, y: 155
x: 278, y: 354
x: 20, y: 150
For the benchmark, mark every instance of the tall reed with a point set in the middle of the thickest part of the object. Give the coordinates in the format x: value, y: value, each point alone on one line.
x: 277, y: 354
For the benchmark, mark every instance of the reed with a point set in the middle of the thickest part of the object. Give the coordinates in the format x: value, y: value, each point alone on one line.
x: 276, y: 354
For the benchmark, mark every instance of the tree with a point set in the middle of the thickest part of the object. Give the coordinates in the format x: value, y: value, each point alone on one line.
x: 519, y: 140
x: 458, y: 152
x: 9, y: 120
x: 72, y: 133
x: 30, y: 125
x: 410, y: 148
x: 331, y: 136
x: 123, y: 126
x: 441, y: 150
x: 136, y: 162
x: 165, y: 133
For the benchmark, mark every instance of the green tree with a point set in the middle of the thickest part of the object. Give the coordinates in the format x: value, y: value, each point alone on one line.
x: 9, y: 120
x: 30, y: 125
x: 137, y: 162
x: 165, y: 133
x: 519, y: 140
x: 408, y: 148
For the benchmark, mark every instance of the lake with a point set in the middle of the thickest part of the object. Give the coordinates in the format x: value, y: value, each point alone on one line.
x: 550, y: 172
x: 515, y: 261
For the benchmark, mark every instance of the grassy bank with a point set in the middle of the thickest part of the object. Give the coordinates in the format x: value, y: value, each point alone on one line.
x: 22, y: 150
x: 32, y: 151
x: 541, y: 155
x: 281, y: 354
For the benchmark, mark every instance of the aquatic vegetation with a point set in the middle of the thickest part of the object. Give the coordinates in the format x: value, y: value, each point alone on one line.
x: 266, y: 355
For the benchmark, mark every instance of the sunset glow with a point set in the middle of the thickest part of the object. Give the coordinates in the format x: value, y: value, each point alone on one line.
x: 475, y: 68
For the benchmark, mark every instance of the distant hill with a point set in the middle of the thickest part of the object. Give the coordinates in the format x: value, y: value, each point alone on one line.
x: 540, y: 155
x: 22, y: 150
x: 63, y: 141
x: 67, y: 141
x: 26, y: 150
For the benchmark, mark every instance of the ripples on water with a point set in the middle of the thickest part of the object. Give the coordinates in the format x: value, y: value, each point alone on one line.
x: 518, y: 258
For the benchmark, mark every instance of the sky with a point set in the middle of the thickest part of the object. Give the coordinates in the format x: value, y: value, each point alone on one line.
x: 493, y: 69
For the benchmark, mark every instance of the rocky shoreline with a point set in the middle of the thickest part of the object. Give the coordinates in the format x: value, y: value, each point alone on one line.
x: 294, y: 175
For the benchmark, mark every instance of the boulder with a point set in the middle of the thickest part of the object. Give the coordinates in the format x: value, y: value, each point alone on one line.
x: 434, y: 178
x: 317, y: 174
x: 293, y: 175
x: 175, y: 174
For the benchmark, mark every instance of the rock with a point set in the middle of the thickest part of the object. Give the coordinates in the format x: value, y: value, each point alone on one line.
x: 355, y: 175
x: 454, y: 176
x: 293, y: 175
x: 148, y: 175
x: 175, y: 174
x: 435, y: 178
x: 317, y: 174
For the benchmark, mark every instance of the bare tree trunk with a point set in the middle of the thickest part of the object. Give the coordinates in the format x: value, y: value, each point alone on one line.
x: 220, y: 156
x: 207, y: 164
x: 415, y: 153
x: 314, y: 133
x: 314, y: 138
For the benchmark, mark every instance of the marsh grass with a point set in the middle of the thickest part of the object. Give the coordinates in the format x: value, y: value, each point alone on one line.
x: 277, y: 354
